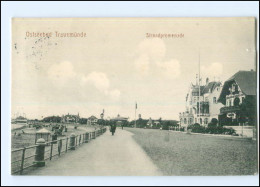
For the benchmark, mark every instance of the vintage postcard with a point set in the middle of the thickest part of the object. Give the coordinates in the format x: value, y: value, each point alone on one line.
x: 134, y: 97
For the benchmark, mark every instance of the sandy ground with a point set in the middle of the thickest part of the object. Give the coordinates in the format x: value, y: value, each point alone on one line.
x: 108, y: 155
x: 17, y: 126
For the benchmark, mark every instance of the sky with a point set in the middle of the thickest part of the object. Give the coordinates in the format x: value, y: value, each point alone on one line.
x: 116, y: 65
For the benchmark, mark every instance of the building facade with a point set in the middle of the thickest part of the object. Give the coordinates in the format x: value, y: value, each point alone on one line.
x: 201, y: 104
x: 69, y: 118
x: 239, y: 98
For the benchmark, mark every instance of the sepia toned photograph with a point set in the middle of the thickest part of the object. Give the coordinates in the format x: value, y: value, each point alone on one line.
x: 134, y: 97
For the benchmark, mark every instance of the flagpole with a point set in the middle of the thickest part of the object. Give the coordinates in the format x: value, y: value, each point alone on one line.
x: 135, y: 114
x: 199, y: 86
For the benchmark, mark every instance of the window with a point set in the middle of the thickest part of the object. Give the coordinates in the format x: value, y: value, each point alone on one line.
x: 214, y: 100
x: 206, y: 121
x: 236, y: 101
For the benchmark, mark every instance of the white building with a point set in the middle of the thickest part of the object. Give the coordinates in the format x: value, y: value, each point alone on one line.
x: 92, y: 120
x: 208, y: 107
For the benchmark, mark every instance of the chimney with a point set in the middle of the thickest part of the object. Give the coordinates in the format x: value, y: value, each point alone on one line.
x: 207, y: 80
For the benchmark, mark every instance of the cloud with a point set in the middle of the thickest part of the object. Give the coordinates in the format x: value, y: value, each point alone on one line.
x: 113, y: 93
x: 170, y: 68
x: 154, y: 48
x: 61, y: 72
x: 101, y: 82
x: 213, y: 70
x: 151, y: 59
x: 97, y: 79
x: 142, y: 64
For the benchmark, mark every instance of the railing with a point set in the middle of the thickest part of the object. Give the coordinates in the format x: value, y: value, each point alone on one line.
x: 186, y: 115
x: 203, y: 114
x: 27, y: 157
x: 227, y: 109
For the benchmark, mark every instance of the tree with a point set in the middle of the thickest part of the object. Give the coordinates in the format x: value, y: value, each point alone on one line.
x: 248, y: 110
x: 213, y: 122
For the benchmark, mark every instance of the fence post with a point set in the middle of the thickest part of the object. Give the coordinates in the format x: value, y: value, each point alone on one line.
x: 72, y: 141
x: 39, y: 153
x: 22, y: 162
x: 60, y: 146
x: 86, y: 137
x: 67, y: 144
x: 54, y: 137
x: 51, y: 151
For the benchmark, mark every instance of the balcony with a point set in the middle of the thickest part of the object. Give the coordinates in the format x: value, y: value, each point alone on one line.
x: 228, y: 109
x: 185, y: 114
x: 203, y: 114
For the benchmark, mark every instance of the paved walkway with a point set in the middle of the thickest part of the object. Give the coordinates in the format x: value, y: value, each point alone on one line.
x: 108, y: 155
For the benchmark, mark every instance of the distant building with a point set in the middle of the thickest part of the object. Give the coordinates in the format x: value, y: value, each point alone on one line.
x: 69, y: 118
x: 201, y: 104
x: 19, y: 119
x: 150, y: 122
x: 92, y: 120
x: 156, y: 123
x: 119, y: 120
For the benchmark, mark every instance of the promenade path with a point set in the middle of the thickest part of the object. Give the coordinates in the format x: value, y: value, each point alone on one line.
x: 107, y: 155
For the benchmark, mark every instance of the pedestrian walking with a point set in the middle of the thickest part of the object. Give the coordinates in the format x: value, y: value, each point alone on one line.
x: 113, y: 129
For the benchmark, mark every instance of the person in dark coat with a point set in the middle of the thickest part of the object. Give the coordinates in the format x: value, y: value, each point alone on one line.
x: 113, y: 129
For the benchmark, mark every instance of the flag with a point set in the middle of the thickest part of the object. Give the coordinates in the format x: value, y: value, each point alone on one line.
x: 135, y: 105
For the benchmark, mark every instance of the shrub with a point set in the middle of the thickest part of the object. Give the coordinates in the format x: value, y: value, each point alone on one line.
x: 219, y: 130
x: 229, y: 131
x: 197, y: 128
